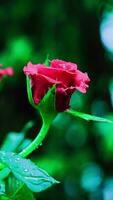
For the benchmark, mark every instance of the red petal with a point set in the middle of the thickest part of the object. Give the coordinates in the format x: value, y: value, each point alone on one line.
x: 61, y: 64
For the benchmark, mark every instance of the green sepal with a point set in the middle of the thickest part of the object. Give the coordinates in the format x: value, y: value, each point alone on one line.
x: 47, y: 61
x: 47, y: 105
x: 29, y: 93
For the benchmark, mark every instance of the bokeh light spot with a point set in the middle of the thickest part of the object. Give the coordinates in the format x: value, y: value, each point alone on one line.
x: 106, y: 31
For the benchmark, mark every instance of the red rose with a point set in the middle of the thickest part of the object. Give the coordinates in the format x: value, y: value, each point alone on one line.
x: 64, y: 74
x: 8, y: 71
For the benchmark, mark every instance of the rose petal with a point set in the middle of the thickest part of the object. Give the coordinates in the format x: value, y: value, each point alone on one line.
x: 40, y: 86
x: 82, y: 81
x: 56, y: 63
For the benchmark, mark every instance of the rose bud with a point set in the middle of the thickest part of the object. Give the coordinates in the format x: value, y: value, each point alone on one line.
x: 64, y: 75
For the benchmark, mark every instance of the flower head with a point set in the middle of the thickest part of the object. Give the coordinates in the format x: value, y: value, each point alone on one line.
x: 8, y: 71
x: 64, y: 75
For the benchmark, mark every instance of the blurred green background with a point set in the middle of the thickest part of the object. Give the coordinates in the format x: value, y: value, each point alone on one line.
x: 77, y: 153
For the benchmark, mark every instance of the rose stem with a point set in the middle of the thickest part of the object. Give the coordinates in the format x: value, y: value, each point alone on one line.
x: 40, y: 137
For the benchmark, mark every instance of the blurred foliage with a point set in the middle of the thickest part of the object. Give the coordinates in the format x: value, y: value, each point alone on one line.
x: 77, y: 153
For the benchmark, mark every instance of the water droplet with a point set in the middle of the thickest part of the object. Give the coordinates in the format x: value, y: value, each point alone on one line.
x: 17, y: 159
x: 25, y: 170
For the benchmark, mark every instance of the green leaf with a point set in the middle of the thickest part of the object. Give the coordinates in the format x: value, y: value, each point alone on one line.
x: 24, y: 194
x: 16, y: 190
x: 27, y: 126
x: 25, y: 144
x: 13, y: 139
x: 26, y: 171
x: 2, y: 166
x: 4, y: 173
x: 12, y: 186
x: 4, y: 198
x: 88, y: 117
x: 2, y: 187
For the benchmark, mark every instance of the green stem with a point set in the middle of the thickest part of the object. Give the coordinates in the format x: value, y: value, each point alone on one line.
x: 38, y: 140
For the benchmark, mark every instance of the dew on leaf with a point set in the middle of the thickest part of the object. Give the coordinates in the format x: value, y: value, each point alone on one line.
x: 25, y: 170
x: 17, y: 159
